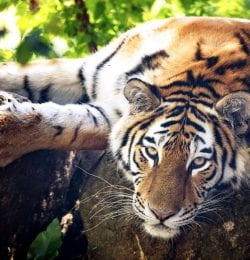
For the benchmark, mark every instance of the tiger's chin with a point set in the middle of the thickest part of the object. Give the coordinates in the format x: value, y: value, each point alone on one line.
x: 161, y: 231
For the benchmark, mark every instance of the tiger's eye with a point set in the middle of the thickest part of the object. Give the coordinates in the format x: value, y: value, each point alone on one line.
x: 152, y: 152
x: 198, y: 162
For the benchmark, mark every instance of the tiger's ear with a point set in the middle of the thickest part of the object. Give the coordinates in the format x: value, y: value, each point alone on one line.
x: 141, y: 96
x: 235, y: 108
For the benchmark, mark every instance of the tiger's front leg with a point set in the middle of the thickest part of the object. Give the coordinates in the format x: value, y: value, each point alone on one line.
x: 26, y: 126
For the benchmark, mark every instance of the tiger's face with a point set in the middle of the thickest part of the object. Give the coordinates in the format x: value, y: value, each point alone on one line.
x: 189, y: 107
x: 175, y: 155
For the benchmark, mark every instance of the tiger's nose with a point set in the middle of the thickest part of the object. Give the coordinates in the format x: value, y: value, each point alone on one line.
x: 161, y: 215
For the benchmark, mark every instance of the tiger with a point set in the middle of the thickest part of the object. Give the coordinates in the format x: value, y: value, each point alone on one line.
x: 170, y: 98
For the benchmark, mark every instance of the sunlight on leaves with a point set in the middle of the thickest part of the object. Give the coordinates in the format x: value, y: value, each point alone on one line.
x: 64, y: 20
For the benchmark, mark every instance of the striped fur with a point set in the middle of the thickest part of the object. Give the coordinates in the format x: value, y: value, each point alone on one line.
x: 177, y: 153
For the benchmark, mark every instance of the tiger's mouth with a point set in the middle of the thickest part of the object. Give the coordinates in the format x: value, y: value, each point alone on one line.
x: 160, y: 230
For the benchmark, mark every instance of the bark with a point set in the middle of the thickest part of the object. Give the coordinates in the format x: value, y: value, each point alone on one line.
x: 34, y: 190
x: 85, y: 25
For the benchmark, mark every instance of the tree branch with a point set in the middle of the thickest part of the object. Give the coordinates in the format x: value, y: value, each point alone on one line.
x: 83, y: 18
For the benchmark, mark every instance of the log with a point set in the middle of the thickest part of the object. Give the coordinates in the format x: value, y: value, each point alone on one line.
x: 36, y: 189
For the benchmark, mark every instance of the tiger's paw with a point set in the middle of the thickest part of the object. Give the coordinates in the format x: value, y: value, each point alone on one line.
x: 17, y: 121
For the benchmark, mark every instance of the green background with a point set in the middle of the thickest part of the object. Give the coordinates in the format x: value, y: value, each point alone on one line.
x: 73, y: 28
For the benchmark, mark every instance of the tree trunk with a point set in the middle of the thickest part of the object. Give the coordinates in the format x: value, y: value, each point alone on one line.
x: 34, y: 190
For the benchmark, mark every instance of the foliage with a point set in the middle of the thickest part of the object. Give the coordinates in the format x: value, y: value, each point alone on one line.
x: 47, y: 243
x: 63, y: 28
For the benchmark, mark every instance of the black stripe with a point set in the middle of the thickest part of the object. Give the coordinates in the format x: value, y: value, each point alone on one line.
x: 191, y: 79
x: 150, y: 139
x: 147, y: 62
x: 140, y: 211
x: 136, y: 163
x: 177, y: 83
x: 44, y: 94
x: 161, y: 132
x: 224, y: 159
x: 135, y: 173
x: 84, y: 98
x: 198, y: 53
x: 204, y: 95
x: 175, y: 100
x: 212, y: 90
x: 130, y: 146
x: 118, y: 113
x: 213, y: 118
x: 198, y: 111
x: 232, y: 163
x: 142, y: 155
x: 27, y: 88
x: 59, y: 130
x: 218, y: 137
x: 160, y: 109
x: 124, y: 165
x: 118, y: 157
x: 149, y: 122
x: 206, y: 150
x: 75, y: 133
x: 245, y: 81
x: 211, y: 61
x: 201, y: 81
x: 138, y: 199
x: 126, y: 136
x: 244, y: 45
x: 99, y: 67
x: 176, y: 111
x: 195, y: 125
x: 94, y: 119
x: 214, y: 157
x: 235, y: 65
x: 181, y: 92
x: 81, y: 76
x: 138, y: 180
x: 143, y: 126
x: 198, y: 138
x: 228, y: 141
x: 170, y: 123
x: 202, y: 102
x: 198, y: 115
x: 100, y: 110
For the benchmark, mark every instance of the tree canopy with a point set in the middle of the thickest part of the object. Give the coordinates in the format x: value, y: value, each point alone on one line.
x: 30, y: 29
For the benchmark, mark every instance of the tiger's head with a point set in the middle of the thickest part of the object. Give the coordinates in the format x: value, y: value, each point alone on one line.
x: 184, y: 135
x: 176, y: 151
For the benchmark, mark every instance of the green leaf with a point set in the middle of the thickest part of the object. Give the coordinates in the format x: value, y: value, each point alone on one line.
x: 47, y: 243
x: 23, y: 53
x: 34, y: 42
